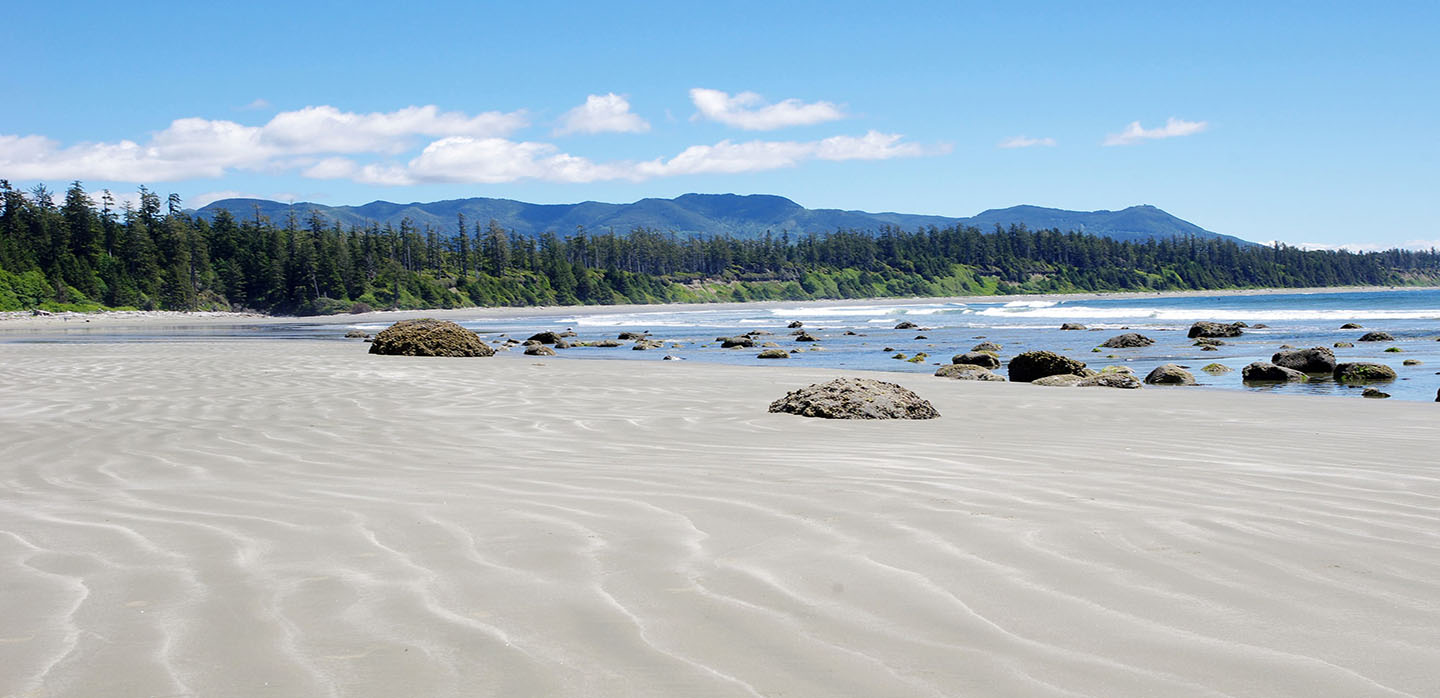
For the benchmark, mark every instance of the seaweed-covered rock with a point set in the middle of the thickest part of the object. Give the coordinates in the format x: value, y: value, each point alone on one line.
x: 977, y: 358
x: 741, y: 342
x: 968, y: 372
x: 1059, y: 380
x: 907, y: 325
x: 773, y: 354
x: 1266, y: 372
x: 1216, y: 329
x: 1170, y: 374
x: 539, y: 350
x: 1374, y: 393
x: 986, y: 346
x: 1216, y: 369
x: 1112, y: 379
x: 1031, y: 365
x: 1363, y: 372
x: 1118, y: 369
x: 806, y: 337
x: 429, y: 337
x: 1129, y: 340
x: 855, y: 398
x: 1072, y: 326
x: 1343, y: 345
x: 1377, y: 336
x: 1412, y: 362
x: 1313, y: 360
x: 546, y: 337
x: 795, y: 325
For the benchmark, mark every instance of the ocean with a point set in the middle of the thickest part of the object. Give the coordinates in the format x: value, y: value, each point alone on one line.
x: 1297, y: 319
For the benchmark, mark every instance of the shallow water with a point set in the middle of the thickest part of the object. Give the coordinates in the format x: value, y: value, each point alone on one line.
x: 1300, y: 320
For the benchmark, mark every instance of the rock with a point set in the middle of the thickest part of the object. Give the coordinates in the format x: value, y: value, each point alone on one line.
x: 1411, y: 362
x: 1031, y: 365
x: 1209, y: 348
x: 1215, y: 369
x: 888, y: 349
x: 1216, y: 329
x: 977, y: 358
x: 1170, y: 374
x: 1374, y: 394
x: 629, y: 336
x: 758, y: 333
x: 806, y: 337
x: 544, y: 337
x: 1314, y: 360
x: 1363, y: 372
x: 900, y: 356
x: 562, y: 344
x: 1343, y: 345
x: 851, y: 333
x: 918, y: 358
x: 1129, y: 340
x: 773, y: 354
x: 1209, y: 342
x: 769, y: 345
x: 1351, y: 326
x: 36, y: 312
x: 1072, y: 326
x: 539, y: 350
x: 855, y: 398
x: 921, y: 336
x: 968, y: 372
x: 606, y: 343
x: 671, y: 357
x: 1394, y: 350
x: 1118, y: 369
x: 1110, y: 380
x: 1260, y: 326
x: 1060, y: 380
x: 795, y: 325
x: 741, y: 342
x: 986, y: 346
x: 1437, y: 396
x: 429, y: 337
x: 907, y: 325
x: 1377, y: 337
x: 356, y: 334
x: 645, y: 344
x: 1266, y: 372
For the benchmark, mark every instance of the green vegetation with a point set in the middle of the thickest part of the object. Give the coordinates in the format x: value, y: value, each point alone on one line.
x: 75, y: 256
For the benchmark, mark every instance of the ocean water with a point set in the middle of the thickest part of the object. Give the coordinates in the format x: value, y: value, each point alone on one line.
x: 1297, y: 319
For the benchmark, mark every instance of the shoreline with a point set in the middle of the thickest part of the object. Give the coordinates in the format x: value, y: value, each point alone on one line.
x: 119, y: 319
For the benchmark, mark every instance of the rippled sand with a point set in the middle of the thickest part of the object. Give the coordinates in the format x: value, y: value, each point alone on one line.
x: 302, y: 519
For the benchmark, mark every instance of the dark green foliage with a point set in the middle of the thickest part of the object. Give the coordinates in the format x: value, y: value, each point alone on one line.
x: 158, y: 256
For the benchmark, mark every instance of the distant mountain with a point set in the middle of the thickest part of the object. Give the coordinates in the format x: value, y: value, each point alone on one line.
x: 714, y: 214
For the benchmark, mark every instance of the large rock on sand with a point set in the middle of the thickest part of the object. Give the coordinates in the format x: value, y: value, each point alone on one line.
x: 1266, y: 372
x: 1129, y: 340
x: 1060, y: 380
x: 1215, y: 329
x: 1170, y: 374
x: 1313, y: 360
x: 968, y: 372
x: 773, y: 354
x: 1363, y: 372
x: 855, y: 398
x: 983, y: 359
x: 1031, y: 365
x: 429, y: 337
x: 538, y: 350
x: 1111, y: 379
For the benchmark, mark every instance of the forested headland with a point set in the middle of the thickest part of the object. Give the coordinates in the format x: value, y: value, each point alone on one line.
x: 78, y: 253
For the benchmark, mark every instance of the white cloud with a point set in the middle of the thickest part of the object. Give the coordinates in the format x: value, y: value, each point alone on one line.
x: 748, y: 110
x: 1173, y: 127
x: 496, y: 160
x: 608, y: 113
x: 258, y: 103
x: 201, y: 148
x: 1025, y: 142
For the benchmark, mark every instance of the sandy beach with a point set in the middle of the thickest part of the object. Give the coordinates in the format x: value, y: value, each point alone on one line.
x: 299, y: 518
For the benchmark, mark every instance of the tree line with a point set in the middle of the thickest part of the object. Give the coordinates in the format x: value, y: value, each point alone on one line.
x: 80, y: 254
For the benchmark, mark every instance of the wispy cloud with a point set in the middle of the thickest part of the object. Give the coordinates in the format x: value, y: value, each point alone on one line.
x: 1173, y: 128
x: 1025, y: 142
x: 749, y: 111
x: 607, y: 113
x: 257, y: 104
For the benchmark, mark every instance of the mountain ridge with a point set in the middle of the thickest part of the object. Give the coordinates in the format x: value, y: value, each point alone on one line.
x: 746, y: 215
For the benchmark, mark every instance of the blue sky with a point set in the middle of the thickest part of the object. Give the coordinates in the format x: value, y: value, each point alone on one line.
x: 1307, y: 122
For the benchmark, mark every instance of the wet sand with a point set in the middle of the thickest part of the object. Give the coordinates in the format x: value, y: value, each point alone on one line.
x: 298, y: 518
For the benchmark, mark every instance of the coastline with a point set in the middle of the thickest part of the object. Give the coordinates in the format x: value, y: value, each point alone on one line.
x: 305, y: 518
x: 24, y: 321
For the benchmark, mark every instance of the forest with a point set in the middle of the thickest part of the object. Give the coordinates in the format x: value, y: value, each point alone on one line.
x: 81, y: 254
